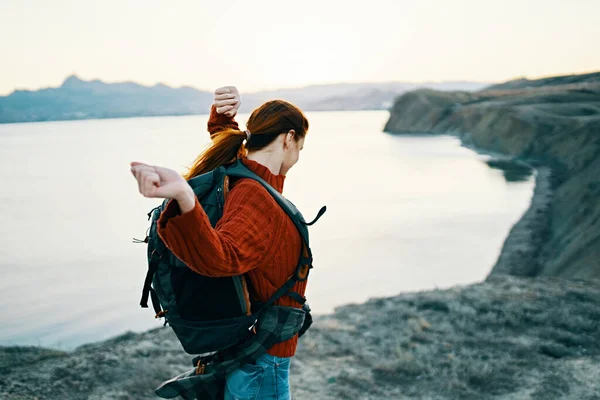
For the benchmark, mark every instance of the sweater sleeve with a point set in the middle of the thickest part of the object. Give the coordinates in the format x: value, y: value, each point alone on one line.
x: 219, y: 122
x: 247, y: 235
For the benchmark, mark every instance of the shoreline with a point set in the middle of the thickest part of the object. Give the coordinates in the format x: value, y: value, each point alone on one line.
x: 521, y: 248
x: 194, y: 114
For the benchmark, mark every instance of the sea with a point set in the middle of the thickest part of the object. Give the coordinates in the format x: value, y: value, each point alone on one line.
x: 405, y: 213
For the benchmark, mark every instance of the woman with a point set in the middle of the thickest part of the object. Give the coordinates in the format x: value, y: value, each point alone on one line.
x: 254, y: 235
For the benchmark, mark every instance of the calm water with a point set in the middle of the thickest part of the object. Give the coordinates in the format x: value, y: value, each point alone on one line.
x: 404, y: 214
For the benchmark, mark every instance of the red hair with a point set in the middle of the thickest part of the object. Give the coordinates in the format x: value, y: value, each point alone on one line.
x: 266, y: 123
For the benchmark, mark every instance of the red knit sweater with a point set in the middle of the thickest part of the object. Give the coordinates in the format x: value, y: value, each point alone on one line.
x: 254, y: 236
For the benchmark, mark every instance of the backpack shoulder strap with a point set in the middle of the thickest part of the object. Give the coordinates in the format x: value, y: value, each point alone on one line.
x: 239, y: 170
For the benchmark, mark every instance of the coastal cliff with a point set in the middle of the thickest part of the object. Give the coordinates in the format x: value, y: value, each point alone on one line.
x: 552, y: 124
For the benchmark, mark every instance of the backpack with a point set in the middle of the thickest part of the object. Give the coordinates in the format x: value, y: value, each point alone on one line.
x: 212, y: 314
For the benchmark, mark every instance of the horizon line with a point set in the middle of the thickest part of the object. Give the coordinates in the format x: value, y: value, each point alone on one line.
x: 159, y: 83
x: 75, y: 75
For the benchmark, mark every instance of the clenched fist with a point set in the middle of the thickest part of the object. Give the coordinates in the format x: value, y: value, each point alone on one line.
x: 227, y: 100
x: 155, y: 181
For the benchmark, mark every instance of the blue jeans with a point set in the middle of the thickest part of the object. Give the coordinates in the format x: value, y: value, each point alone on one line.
x: 268, y: 378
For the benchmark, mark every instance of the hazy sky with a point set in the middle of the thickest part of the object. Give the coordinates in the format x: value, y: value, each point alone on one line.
x: 267, y: 44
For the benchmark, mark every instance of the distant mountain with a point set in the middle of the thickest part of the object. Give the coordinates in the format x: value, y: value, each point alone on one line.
x: 79, y: 99
x: 350, y: 96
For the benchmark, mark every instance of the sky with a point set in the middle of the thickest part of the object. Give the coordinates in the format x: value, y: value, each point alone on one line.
x: 264, y: 44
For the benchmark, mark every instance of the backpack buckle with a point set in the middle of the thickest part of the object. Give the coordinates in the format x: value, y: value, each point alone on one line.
x: 253, y: 327
x: 200, y: 368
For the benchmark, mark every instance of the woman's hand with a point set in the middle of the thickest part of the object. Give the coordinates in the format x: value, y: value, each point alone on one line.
x: 154, y: 181
x: 227, y: 100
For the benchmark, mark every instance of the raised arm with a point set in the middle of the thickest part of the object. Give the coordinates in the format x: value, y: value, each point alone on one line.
x: 219, y: 122
x: 227, y: 101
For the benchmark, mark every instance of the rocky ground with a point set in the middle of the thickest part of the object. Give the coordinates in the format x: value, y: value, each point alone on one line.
x: 506, y: 338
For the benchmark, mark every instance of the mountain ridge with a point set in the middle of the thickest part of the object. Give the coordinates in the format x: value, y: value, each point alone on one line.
x: 77, y: 99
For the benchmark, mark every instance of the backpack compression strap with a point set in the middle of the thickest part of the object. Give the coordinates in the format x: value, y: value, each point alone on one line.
x: 153, y: 261
x: 207, y: 379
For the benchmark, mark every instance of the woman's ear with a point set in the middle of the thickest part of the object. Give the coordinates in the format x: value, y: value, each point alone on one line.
x: 289, y: 137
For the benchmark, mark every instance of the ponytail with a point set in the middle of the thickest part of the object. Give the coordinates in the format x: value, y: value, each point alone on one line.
x: 266, y: 123
x: 226, y: 146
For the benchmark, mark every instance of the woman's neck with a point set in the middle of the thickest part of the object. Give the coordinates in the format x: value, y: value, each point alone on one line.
x: 268, y: 159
